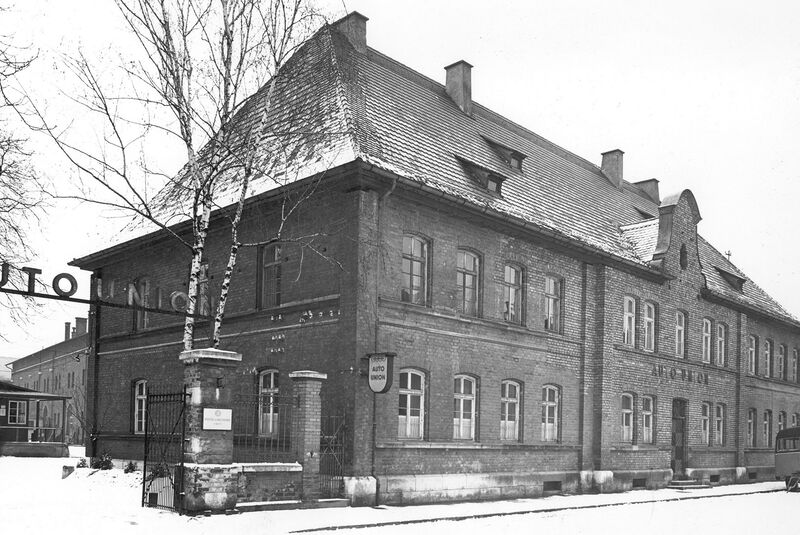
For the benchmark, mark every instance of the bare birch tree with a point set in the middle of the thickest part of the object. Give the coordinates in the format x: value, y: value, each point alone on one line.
x: 204, y: 61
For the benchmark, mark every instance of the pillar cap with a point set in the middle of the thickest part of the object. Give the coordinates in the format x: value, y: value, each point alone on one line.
x: 196, y: 355
x: 308, y: 374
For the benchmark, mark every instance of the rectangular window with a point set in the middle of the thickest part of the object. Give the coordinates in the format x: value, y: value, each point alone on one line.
x: 463, y: 407
x: 751, y: 428
x: 705, y: 414
x: 16, y: 412
x: 794, y: 366
x: 719, y: 425
x: 415, y: 271
x: 766, y: 437
x: 780, y: 365
x: 752, y: 353
x: 552, y: 304
x: 627, y: 418
x: 781, y: 421
x: 680, y: 334
x: 139, y: 296
x: 271, y: 257
x: 412, y: 397
x: 794, y: 419
x: 722, y: 344
x: 509, y: 410
x: 706, y: 340
x: 649, y: 327
x: 512, y: 294
x: 647, y: 420
x: 467, y: 277
x: 139, y: 407
x: 550, y: 401
x: 629, y: 322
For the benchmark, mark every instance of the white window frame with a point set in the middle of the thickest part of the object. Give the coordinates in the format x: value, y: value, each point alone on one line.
x: 468, y: 280
x: 551, y: 407
x: 794, y: 419
x: 752, y: 355
x: 780, y: 365
x: 706, y: 340
x: 722, y: 344
x: 139, y: 406
x: 268, y: 391
x: 680, y: 334
x: 794, y: 365
x: 629, y: 321
x: 648, y: 409
x: 626, y: 422
x: 414, y: 288
x: 465, y: 402
x: 552, y: 303
x: 408, y: 425
x: 17, y: 412
x: 768, y: 358
x: 767, y: 430
x: 719, y: 424
x: 509, y: 409
x: 781, y: 420
x: 705, y: 423
x: 649, y: 326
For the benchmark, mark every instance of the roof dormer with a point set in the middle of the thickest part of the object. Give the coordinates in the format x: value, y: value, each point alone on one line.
x: 512, y: 157
x: 487, y: 179
x: 736, y: 281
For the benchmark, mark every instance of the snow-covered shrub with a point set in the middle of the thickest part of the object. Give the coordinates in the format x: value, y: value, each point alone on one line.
x: 103, y: 462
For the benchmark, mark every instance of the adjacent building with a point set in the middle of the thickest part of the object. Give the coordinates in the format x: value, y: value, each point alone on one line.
x: 556, y: 326
x: 60, y: 370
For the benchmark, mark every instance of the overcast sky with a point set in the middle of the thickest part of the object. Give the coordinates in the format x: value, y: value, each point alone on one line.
x: 700, y: 95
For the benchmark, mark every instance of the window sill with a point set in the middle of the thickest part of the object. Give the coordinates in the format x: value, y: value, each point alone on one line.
x: 638, y: 447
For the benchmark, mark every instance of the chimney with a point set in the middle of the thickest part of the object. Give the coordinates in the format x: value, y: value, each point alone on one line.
x: 354, y: 27
x: 612, y: 166
x: 67, y: 330
x: 650, y: 189
x: 80, y: 326
x: 459, y: 85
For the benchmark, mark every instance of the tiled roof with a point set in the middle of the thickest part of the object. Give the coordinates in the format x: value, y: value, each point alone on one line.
x: 346, y: 105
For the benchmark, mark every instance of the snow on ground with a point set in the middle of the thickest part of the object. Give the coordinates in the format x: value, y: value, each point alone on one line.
x: 36, y: 500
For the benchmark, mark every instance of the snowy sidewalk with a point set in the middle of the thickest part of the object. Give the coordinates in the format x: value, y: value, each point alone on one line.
x: 36, y: 500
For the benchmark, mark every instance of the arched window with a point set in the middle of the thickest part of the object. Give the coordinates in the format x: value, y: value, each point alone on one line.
x: 683, y: 257
x: 722, y: 344
x: 648, y: 409
x: 752, y: 355
x: 626, y: 423
x: 629, y: 321
x: 706, y: 340
x: 719, y: 424
x: 414, y: 288
x: 509, y: 410
x: 411, y: 419
x: 794, y: 366
x: 268, y: 390
x: 513, y: 305
x: 705, y: 423
x: 463, y: 407
x: 139, y: 406
x: 680, y: 334
x: 551, y: 399
x: 649, y: 327
x: 468, y: 269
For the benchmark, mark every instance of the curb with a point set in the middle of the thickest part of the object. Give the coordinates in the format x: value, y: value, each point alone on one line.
x: 528, y: 512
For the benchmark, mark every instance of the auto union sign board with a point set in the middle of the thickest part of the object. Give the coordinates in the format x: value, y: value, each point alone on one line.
x: 379, y: 372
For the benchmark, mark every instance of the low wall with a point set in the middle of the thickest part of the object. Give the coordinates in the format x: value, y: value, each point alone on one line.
x: 34, y: 449
x: 269, y: 482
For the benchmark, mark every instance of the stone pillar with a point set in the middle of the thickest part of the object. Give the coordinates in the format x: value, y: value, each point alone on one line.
x: 210, y: 482
x: 306, y: 421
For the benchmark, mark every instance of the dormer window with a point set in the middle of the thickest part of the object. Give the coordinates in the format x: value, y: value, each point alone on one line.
x: 736, y: 282
x: 512, y: 157
x: 489, y: 180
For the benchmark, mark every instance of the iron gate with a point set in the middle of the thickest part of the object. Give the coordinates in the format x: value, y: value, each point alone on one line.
x: 165, y: 431
x: 333, y: 432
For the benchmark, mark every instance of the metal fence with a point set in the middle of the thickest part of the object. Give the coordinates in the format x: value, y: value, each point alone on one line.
x: 332, y: 461
x: 262, y: 428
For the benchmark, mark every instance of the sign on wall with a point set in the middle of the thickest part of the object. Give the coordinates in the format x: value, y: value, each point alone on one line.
x: 380, y: 372
x: 217, y: 419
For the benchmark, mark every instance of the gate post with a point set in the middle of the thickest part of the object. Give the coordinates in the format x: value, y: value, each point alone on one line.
x: 208, y: 483
x: 306, y: 421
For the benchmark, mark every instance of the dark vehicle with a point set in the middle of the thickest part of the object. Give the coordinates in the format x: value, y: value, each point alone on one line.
x: 787, y: 457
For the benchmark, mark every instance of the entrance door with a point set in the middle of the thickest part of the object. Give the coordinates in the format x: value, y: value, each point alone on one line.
x: 678, y: 464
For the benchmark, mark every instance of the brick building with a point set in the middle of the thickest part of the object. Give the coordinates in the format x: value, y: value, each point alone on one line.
x: 61, y: 370
x: 557, y: 327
